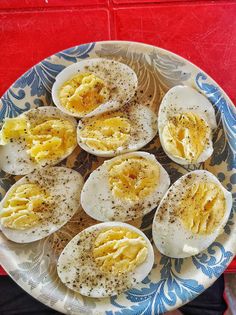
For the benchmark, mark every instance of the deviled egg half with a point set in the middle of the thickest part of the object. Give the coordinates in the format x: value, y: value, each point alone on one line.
x: 125, y: 187
x: 191, y: 215
x: 124, y: 130
x: 105, y: 259
x: 186, y: 119
x: 93, y: 86
x: 40, y: 203
x: 38, y: 137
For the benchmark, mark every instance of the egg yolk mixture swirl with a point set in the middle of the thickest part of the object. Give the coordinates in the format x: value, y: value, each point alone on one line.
x: 25, y: 206
x: 202, y: 208
x: 133, y: 178
x: 48, y: 139
x: 186, y: 136
x: 119, y: 250
x: 13, y: 128
x: 106, y: 132
x: 83, y: 93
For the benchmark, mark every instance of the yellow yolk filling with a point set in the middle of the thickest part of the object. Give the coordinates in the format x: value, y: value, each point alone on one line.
x: 133, y: 178
x: 202, y: 208
x: 24, y: 207
x: 48, y: 140
x: 186, y: 136
x: 119, y: 250
x: 83, y: 93
x: 106, y: 132
x: 51, y: 139
x: 13, y: 128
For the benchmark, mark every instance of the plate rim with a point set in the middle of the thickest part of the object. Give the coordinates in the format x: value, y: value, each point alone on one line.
x: 142, y: 44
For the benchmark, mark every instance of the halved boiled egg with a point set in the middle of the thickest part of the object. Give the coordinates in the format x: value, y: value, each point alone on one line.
x: 94, y: 86
x: 125, y: 187
x: 191, y: 215
x: 38, y: 137
x: 127, y: 129
x: 40, y: 203
x: 185, y: 122
x: 105, y: 259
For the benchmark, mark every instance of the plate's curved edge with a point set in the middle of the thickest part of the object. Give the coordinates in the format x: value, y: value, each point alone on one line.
x: 37, y: 294
x: 177, y: 56
x: 39, y: 82
x: 173, y: 291
x: 229, y: 102
x: 91, y: 45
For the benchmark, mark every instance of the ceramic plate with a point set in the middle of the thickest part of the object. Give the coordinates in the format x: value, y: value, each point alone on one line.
x: 172, y: 282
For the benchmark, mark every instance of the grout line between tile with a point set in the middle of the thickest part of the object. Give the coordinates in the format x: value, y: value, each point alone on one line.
x: 139, y: 4
x: 111, y: 20
x: 56, y: 8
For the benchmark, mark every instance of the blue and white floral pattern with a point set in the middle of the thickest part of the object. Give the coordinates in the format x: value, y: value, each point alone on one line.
x: 172, y: 282
x: 158, y: 297
x: 40, y: 78
x: 9, y: 107
x: 77, y: 52
x: 209, y: 264
x: 226, y: 151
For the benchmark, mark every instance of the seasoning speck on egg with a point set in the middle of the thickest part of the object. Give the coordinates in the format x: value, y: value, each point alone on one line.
x: 191, y: 215
x: 125, y: 187
x: 110, y: 134
x: 105, y: 259
x: 185, y: 122
x: 38, y: 137
x: 83, y: 93
x: 40, y: 203
x: 25, y: 206
x: 94, y: 86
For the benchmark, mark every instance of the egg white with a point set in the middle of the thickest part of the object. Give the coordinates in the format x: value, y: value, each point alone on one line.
x: 169, y: 235
x: 14, y: 157
x: 180, y: 99
x: 80, y: 246
x: 99, y: 203
x: 126, y: 86
x: 64, y: 186
x: 143, y: 123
